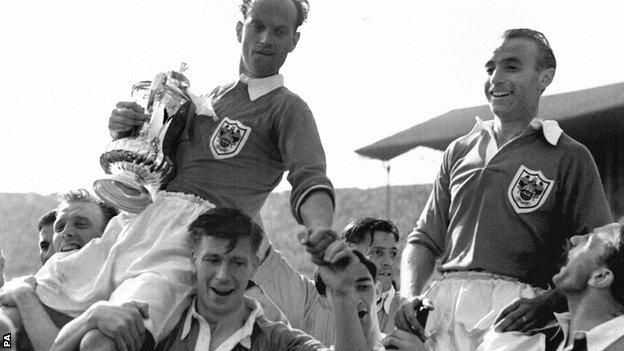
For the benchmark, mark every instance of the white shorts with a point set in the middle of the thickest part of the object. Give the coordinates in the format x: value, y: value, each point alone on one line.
x: 143, y: 257
x: 466, y: 306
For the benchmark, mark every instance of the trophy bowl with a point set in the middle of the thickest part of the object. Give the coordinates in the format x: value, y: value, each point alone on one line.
x: 136, y: 166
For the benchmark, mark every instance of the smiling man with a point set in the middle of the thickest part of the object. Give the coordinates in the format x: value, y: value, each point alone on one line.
x: 507, y: 197
x: 78, y: 219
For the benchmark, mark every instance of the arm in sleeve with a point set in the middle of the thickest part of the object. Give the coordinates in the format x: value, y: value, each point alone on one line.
x: 427, y: 241
x: 584, y: 200
x: 291, y: 292
x: 302, y: 152
x: 432, y: 225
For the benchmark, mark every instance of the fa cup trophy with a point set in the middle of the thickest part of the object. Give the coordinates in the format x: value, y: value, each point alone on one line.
x: 136, y: 165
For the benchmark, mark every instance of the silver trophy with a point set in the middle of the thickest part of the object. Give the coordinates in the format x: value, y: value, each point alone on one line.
x: 137, y: 166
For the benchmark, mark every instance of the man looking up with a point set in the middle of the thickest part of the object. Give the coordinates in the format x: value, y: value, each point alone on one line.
x: 507, y: 196
x: 592, y: 282
x: 46, y: 232
x: 234, y: 160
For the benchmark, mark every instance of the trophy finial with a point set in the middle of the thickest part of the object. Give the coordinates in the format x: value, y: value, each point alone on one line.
x: 183, y: 67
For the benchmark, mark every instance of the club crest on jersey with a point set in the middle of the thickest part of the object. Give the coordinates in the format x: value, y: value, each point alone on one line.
x: 228, y: 138
x: 528, y: 190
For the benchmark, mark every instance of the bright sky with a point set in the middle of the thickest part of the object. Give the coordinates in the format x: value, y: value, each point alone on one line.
x: 367, y: 68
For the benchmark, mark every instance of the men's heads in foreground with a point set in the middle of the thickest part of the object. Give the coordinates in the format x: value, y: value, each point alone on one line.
x: 224, y: 245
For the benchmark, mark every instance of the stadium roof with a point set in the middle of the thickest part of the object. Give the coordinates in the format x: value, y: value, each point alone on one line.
x: 586, y: 115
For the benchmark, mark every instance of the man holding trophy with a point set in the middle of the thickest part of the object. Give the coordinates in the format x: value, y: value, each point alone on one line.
x: 233, y: 157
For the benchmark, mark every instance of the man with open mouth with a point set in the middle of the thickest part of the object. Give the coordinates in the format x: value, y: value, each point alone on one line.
x: 592, y: 281
x: 296, y: 296
x: 78, y: 219
x: 224, y: 246
x: 378, y: 240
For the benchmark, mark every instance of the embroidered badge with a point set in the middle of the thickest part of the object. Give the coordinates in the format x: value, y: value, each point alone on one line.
x: 228, y: 138
x: 528, y: 190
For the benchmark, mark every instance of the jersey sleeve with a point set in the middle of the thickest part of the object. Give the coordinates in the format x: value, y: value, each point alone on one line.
x: 584, y: 200
x: 432, y: 225
x: 302, y: 153
x: 291, y: 292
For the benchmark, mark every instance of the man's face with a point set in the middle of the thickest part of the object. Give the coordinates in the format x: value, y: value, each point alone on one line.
x: 222, y: 274
x: 514, y: 84
x: 267, y: 36
x: 384, y: 253
x: 365, y: 288
x: 586, y: 256
x: 76, y: 224
x: 46, y: 249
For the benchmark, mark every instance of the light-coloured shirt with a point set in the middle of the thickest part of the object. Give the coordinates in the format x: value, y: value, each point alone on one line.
x: 241, y: 336
x: 598, y: 338
x: 387, y: 307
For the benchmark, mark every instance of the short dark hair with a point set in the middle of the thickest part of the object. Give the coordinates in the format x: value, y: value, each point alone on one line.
x: 226, y: 223
x: 355, y: 232
x: 47, y: 219
x: 302, y: 7
x: 320, y: 286
x: 83, y: 196
x: 546, y: 57
x: 615, y: 263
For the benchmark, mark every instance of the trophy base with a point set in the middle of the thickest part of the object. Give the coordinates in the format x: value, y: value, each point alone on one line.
x: 124, y: 192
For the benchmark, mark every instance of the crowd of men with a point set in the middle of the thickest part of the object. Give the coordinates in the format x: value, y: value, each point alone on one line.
x: 195, y: 270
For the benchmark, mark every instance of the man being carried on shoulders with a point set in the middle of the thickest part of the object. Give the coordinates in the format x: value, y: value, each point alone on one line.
x: 261, y: 130
x: 507, y: 197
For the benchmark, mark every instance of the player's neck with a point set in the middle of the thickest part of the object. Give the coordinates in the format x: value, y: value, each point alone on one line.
x: 504, y: 131
x: 589, y: 310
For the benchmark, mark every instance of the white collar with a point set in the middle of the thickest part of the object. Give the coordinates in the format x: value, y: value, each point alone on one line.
x: 551, y: 130
x: 599, y: 337
x: 386, y: 300
x: 258, y: 87
x: 241, y: 336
